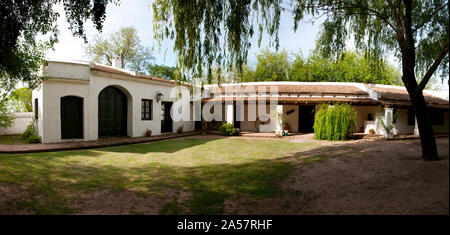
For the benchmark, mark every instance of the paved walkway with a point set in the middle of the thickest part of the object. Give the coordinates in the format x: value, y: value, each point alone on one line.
x: 107, y: 142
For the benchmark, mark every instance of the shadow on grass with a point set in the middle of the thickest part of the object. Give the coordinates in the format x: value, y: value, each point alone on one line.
x: 169, y: 146
x: 52, y: 183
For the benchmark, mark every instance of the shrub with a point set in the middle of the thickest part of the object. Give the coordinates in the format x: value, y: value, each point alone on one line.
x: 33, y: 139
x: 227, y: 129
x: 334, y: 122
x: 30, y: 134
x: 6, y: 117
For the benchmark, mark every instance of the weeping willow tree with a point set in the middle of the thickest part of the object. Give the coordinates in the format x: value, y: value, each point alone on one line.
x: 334, y: 122
x: 209, y: 33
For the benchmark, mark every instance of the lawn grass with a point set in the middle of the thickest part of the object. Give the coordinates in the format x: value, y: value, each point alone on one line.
x: 209, y: 170
x: 11, y: 139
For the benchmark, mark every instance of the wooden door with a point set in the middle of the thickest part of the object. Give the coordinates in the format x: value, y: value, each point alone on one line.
x: 112, y: 112
x: 71, y: 117
x: 166, y: 119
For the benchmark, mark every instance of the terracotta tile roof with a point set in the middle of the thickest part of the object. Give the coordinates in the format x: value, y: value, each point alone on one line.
x: 397, y: 94
x: 108, y: 69
x: 300, y: 100
x: 299, y: 89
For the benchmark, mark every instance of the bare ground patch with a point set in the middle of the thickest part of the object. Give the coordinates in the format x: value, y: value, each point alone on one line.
x: 359, y: 177
x: 127, y: 202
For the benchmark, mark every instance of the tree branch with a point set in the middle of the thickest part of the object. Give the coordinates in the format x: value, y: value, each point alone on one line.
x: 398, y: 21
x: 427, y: 21
x: 432, y: 69
x: 329, y: 8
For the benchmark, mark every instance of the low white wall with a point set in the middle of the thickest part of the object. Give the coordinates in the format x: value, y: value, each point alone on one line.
x: 20, y: 123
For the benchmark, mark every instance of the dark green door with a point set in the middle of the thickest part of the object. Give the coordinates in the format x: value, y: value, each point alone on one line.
x: 306, y: 119
x: 112, y: 112
x: 71, y: 117
x: 166, y: 120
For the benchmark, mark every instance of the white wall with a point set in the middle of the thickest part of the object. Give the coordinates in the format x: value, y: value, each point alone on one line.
x: 362, y: 113
x: 291, y: 119
x: 20, y: 123
x: 89, y: 88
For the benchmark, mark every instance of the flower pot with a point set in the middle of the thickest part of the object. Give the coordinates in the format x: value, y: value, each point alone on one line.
x: 148, y: 133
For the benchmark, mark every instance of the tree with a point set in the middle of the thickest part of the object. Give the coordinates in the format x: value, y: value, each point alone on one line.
x: 272, y: 66
x: 161, y: 71
x: 349, y: 67
x: 124, y: 44
x: 6, y: 118
x: 20, y: 100
x: 6, y: 87
x: 23, y: 22
x: 417, y: 31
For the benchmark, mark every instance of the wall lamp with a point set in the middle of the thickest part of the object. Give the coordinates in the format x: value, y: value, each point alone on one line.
x: 159, y: 96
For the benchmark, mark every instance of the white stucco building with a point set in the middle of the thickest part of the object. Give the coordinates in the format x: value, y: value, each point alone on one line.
x: 298, y: 102
x: 83, y: 101
x: 87, y: 101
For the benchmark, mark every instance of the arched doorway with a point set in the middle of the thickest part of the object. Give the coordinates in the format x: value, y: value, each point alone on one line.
x: 71, y: 117
x: 112, y: 112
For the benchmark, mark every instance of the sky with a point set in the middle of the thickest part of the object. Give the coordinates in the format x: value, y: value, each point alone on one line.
x: 139, y: 14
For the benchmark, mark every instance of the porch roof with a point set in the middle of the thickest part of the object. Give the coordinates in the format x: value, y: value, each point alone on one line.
x: 319, y: 92
x: 299, y: 88
x: 399, y: 96
x: 298, y: 100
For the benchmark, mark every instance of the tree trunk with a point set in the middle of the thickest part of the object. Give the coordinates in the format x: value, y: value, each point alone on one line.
x: 427, y: 138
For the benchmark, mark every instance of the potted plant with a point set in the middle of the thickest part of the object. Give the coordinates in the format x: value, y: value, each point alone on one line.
x: 372, y: 131
x: 285, y: 128
x: 180, y: 130
x: 148, y: 133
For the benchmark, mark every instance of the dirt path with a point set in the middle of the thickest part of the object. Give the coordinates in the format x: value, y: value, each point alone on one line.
x: 362, y: 177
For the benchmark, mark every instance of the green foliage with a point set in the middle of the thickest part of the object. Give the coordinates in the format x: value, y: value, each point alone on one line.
x: 376, y: 26
x: 161, y: 71
x: 20, y: 100
x: 271, y: 66
x: 25, y: 22
x: 200, y: 40
x: 30, y: 134
x: 123, y: 44
x: 227, y: 129
x: 6, y: 118
x: 350, y: 67
x: 387, y: 128
x: 334, y: 122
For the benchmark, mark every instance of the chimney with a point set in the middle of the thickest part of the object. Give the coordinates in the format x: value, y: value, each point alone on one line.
x: 117, y: 62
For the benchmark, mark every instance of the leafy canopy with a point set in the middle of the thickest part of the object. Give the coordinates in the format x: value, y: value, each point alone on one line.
x: 161, y: 71
x: 217, y: 33
x: 348, y: 67
x: 278, y: 66
x: 123, y: 44
x: 20, y: 100
x: 212, y: 33
x: 23, y: 22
